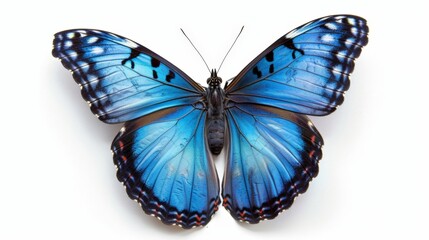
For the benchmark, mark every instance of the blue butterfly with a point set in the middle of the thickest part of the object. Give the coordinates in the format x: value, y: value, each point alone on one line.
x: 173, y: 126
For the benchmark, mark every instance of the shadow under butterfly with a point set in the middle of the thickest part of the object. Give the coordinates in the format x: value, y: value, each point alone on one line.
x: 172, y: 125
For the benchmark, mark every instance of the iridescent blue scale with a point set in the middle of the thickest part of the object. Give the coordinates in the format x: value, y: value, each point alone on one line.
x: 172, y: 125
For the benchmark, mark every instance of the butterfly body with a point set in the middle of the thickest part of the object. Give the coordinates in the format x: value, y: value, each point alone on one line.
x: 215, y: 113
x: 173, y: 125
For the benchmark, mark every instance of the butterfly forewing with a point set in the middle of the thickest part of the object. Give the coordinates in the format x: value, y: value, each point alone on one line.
x: 307, y: 70
x: 120, y: 79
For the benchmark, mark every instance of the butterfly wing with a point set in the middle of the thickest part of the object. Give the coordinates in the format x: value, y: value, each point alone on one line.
x: 120, y: 79
x: 274, y: 150
x: 161, y: 153
x: 307, y: 70
x: 272, y: 156
x: 164, y: 163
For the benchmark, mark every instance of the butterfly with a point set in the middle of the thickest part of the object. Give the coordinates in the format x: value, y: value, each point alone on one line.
x: 173, y: 126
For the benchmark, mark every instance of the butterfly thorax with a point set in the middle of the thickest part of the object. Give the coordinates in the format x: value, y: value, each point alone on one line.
x: 215, y: 113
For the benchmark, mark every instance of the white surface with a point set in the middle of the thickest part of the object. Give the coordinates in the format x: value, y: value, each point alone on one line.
x: 58, y: 180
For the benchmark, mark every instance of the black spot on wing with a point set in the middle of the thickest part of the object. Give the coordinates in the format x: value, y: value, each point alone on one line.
x: 76, y: 35
x: 270, y: 56
x: 257, y: 72
x: 170, y: 76
x: 155, y: 74
x: 155, y: 62
x: 126, y: 60
x: 135, y: 52
x: 271, y: 68
x: 289, y: 44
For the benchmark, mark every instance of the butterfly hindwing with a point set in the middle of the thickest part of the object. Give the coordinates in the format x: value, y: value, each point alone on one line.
x: 307, y: 70
x: 120, y: 79
x: 272, y: 156
x: 164, y: 163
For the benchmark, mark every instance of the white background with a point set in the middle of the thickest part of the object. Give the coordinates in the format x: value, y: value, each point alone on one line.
x: 57, y: 177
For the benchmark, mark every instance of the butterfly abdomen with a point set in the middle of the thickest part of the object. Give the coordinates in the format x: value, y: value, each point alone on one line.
x: 215, y: 134
x: 215, y: 114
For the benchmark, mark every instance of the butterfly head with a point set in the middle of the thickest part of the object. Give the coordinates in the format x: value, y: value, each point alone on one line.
x: 214, y: 80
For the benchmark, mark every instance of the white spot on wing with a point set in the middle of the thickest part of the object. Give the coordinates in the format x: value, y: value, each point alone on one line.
x: 354, y: 31
x: 132, y: 44
x: 338, y: 68
x: 72, y: 54
x: 351, y: 21
x: 343, y: 53
x: 350, y: 42
x: 340, y: 57
x: 331, y: 26
x: 291, y: 34
x: 92, y: 40
x: 97, y: 50
x: 327, y: 38
x: 68, y: 43
x: 70, y: 35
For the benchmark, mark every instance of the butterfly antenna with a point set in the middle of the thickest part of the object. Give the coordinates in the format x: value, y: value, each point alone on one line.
x: 196, y: 49
x: 241, y: 30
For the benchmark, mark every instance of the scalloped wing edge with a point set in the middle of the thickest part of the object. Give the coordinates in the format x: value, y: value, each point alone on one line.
x: 273, y: 208
x: 152, y: 206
